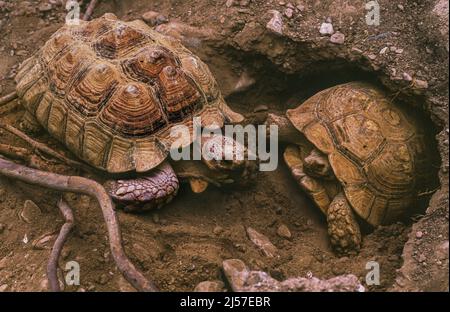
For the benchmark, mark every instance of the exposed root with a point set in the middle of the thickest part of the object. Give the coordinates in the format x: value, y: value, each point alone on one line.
x: 8, y: 98
x: 52, y: 265
x: 90, y: 9
x: 15, y: 152
x: 44, y: 148
x: 88, y: 187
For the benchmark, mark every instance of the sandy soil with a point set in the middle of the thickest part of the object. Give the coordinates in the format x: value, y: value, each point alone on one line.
x: 186, y: 242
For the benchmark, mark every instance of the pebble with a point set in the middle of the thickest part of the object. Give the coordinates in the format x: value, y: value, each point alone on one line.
x: 338, y: 38
x: 210, y: 286
x: 406, y: 77
x: 2, y: 228
x: 289, y: 12
x: 283, y: 231
x: 420, y: 84
x: 3, y: 263
x: 400, y: 7
x: 218, y: 230
x: 4, y: 287
x: 275, y: 25
x: 442, y: 251
x: 236, y: 273
x: 422, y: 258
x: 263, y: 243
x: 244, y: 83
x: 326, y: 29
x: 260, y: 108
x: 229, y: 3
x: 30, y: 211
x: 155, y: 218
x: 22, y: 53
x: 384, y: 50
x: 154, y: 18
x: 46, y: 7
x: 419, y: 234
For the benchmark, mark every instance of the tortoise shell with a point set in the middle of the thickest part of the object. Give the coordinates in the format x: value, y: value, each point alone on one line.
x: 377, y: 150
x: 111, y: 91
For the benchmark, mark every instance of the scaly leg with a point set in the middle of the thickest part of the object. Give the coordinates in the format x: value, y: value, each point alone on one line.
x: 343, y: 228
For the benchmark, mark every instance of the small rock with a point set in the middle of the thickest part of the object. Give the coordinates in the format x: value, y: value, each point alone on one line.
x: 262, y: 242
x: 153, y: 18
x: 400, y: 7
x: 46, y: 7
x: 3, y: 263
x: 419, y: 234
x: 289, y: 12
x: 338, y: 38
x: 22, y: 53
x: 283, y: 231
x: 260, y: 108
x: 229, y: 3
x: 30, y: 211
x: 2, y: 194
x: 275, y: 25
x: 244, y: 83
x: 420, y: 84
x: 384, y: 50
x: 422, y: 258
x: 326, y: 29
x: 300, y: 7
x: 236, y: 273
x: 218, y: 230
x: 103, y: 279
x: 210, y: 286
x: 372, y: 57
x: 442, y: 251
x: 2, y: 228
x: 155, y: 218
x: 4, y: 287
x: 407, y: 77
x: 399, y: 51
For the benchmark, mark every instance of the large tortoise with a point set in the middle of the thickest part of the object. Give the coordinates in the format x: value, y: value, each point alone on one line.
x: 353, y: 150
x: 112, y: 91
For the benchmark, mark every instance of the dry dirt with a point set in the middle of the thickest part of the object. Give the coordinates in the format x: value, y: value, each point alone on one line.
x: 186, y: 242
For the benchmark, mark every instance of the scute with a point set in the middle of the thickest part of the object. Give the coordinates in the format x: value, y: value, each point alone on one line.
x: 374, y: 148
x: 111, y: 91
x: 133, y: 110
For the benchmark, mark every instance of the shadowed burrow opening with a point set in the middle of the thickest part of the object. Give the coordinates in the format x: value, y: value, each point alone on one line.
x: 275, y: 91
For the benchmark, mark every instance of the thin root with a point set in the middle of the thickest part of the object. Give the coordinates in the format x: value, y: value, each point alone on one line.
x: 44, y: 148
x: 88, y: 187
x: 90, y: 9
x: 52, y: 265
x: 8, y: 98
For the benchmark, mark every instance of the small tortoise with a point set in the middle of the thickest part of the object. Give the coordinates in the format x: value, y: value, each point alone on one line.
x: 354, y: 151
x: 111, y: 91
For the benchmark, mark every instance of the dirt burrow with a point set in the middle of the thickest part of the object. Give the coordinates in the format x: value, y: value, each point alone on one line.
x: 185, y: 243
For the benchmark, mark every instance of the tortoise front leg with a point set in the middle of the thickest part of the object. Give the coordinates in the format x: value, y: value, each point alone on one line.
x: 154, y: 190
x: 312, y: 187
x: 343, y: 228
